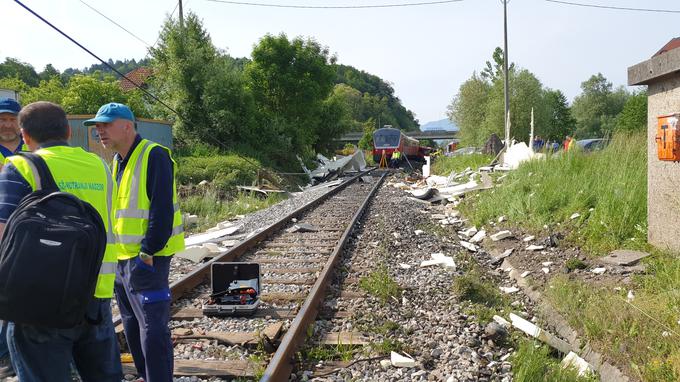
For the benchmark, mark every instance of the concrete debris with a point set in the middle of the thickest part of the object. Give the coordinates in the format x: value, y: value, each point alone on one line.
x: 501, y: 219
x: 385, y: 363
x: 439, y: 258
x: 425, y: 193
x: 469, y: 232
x: 525, y: 274
x: 575, y: 215
x: 495, y: 331
x: 501, y: 321
x: 438, y: 180
x: 624, y: 257
x: 572, y: 360
x: 302, y: 227
x: 203, y: 183
x: 418, y: 232
x: 547, y: 263
x: 404, y: 266
x: 229, y: 243
x: 195, y: 253
x: 211, y: 235
x: 396, y: 235
x: 189, y: 219
x: 535, y: 247
x: 630, y: 297
x: 501, y: 235
x: 503, y: 255
x: 545, y: 270
x: 540, y: 334
x: 330, y: 169
x: 399, y: 360
x: 599, y: 271
x: 479, y: 236
x: 469, y: 246
x: 528, y: 238
x: 509, y: 290
x: 438, y: 216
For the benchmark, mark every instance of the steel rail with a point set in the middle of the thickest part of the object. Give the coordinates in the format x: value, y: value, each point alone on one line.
x: 281, y: 363
x: 201, y: 274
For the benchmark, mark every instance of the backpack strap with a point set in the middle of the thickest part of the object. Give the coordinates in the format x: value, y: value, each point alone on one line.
x: 45, y: 180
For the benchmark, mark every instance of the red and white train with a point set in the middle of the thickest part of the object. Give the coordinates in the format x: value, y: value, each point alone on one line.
x: 388, y: 139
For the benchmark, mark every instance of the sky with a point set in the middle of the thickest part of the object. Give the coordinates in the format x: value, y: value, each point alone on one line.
x: 425, y: 52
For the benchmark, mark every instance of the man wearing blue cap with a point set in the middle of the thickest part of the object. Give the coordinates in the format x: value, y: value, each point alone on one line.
x: 10, y: 143
x: 148, y: 230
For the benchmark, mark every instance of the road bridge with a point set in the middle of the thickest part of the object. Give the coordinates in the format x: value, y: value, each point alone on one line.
x: 431, y: 134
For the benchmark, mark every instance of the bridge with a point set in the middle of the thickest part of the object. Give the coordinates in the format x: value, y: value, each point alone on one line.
x: 431, y: 134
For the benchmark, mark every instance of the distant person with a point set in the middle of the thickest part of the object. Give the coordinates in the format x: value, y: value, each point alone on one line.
x: 566, y: 143
x: 396, y: 159
x: 149, y: 229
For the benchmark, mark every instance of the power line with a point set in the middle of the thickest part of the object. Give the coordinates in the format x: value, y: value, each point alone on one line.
x: 612, y: 7
x: 270, y: 5
x: 115, y: 23
x: 97, y: 57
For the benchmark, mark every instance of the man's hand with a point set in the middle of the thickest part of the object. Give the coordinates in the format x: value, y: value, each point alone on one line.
x: 146, y: 258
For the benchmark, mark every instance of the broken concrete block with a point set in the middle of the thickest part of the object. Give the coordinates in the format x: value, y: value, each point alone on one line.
x: 509, y: 290
x: 399, y: 360
x: 439, y: 258
x: 528, y: 238
x: 624, y: 257
x: 203, y: 183
x: 469, y: 232
x: 501, y: 235
x: 404, y: 266
x: 479, y: 236
x: 501, y: 321
x: 545, y: 270
x: 525, y: 274
x: 396, y: 235
x: 503, y: 255
x: 194, y: 253
x: 469, y: 246
x: 212, y: 247
x: 599, y: 271
x: 572, y: 360
x: 535, y: 247
x: 575, y: 215
x: 229, y: 243
x: 630, y: 296
x: 419, y: 232
x: 385, y: 364
x: 501, y: 219
x: 547, y: 263
x: 189, y: 219
x: 302, y: 227
x: 536, y: 332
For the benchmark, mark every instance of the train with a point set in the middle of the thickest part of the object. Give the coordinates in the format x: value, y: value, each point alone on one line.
x: 389, y: 139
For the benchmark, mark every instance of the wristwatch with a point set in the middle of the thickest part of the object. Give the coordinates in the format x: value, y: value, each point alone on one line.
x: 144, y: 256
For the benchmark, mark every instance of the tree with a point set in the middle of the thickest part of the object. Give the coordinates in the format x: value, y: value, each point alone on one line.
x: 493, y: 72
x: 86, y: 93
x: 48, y: 73
x: 52, y: 90
x: 596, y: 108
x: 468, y: 109
x: 560, y: 123
x: 23, y: 71
x: 634, y: 114
x: 366, y: 141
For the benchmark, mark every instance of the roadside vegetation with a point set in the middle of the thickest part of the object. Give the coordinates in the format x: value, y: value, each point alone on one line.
x: 444, y: 165
x: 534, y: 363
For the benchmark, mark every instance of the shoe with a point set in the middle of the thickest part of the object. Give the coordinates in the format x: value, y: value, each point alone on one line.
x: 6, y: 369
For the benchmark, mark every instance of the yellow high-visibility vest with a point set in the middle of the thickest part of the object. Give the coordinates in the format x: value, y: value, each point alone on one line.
x: 133, y: 204
x: 88, y: 177
x: 23, y: 147
x: 396, y: 155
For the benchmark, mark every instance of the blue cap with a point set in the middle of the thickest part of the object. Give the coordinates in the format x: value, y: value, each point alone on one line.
x: 111, y: 112
x: 8, y: 105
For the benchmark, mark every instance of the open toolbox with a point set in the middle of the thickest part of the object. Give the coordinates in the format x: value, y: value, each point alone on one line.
x: 235, y: 289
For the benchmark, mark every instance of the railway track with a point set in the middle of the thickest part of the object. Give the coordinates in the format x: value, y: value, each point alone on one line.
x: 296, y: 268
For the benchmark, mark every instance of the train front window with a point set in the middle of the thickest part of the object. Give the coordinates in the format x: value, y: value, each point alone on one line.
x: 384, y: 140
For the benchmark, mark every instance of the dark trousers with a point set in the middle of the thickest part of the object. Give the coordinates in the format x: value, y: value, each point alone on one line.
x: 143, y: 296
x: 45, y: 354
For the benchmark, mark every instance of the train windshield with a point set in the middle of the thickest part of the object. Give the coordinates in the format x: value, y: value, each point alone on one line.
x: 386, y: 138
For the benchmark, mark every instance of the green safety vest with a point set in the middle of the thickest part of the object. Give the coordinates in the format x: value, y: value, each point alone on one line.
x: 86, y: 176
x: 23, y: 147
x: 396, y: 155
x: 132, y: 206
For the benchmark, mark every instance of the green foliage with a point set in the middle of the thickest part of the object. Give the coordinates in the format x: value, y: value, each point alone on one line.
x: 613, y: 182
x: 470, y: 287
x: 52, y: 90
x: 596, y: 108
x: 13, y: 83
x: 366, y: 141
x: 86, y: 93
x: 468, y: 110
x: 380, y: 284
x: 224, y: 171
x: 13, y: 68
x: 444, y: 165
x: 560, y: 121
x: 634, y: 114
x: 533, y: 363
x: 575, y: 263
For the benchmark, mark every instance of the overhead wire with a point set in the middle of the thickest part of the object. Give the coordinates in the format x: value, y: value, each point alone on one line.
x: 613, y: 7
x: 368, y: 6
x: 115, y: 23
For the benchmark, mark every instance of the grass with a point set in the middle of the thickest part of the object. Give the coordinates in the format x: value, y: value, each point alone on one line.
x: 484, y: 297
x: 534, y: 363
x: 444, y: 165
x: 607, y: 188
x: 380, y: 284
x: 211, y: 208
x: 225, y: 172
x: 337, y: 352
x: 643, y: 334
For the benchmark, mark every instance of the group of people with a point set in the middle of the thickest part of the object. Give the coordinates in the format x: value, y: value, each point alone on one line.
x: 142, y: 212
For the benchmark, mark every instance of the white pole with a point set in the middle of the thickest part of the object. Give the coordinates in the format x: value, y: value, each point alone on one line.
x: 531, y: 135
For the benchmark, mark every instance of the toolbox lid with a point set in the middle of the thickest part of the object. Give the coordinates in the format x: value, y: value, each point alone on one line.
x: 223, y: 274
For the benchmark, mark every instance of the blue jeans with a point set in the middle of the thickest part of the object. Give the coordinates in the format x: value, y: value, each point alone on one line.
x: 4, y: 350
x: 41, y: 354
x: 143, y: 296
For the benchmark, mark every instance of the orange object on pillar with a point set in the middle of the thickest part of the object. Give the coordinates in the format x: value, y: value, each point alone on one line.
x: 668, y: 137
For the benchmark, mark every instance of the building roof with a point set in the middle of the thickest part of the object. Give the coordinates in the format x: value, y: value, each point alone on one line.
x: 674, y: 43
x: 139, y: 76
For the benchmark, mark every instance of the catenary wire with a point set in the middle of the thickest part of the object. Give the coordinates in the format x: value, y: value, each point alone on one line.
x: 395, y: 5
x: 115, y: 23
x: 613, y: 7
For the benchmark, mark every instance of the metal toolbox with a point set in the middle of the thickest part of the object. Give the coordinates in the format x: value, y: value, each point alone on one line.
x: 235, y: 289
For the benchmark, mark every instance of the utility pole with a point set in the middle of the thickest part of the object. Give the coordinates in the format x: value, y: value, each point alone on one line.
x: 181, y: 16
x: 505, y: 72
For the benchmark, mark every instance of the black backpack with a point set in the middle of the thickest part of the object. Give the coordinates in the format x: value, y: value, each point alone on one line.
x: 50, y: 255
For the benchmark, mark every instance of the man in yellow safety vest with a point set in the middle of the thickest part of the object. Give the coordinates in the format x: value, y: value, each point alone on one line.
x: 149, y: 230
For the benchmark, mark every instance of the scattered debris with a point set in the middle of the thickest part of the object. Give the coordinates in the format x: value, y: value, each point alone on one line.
x: 509, y: 290
x: 525, y: 274
x: 499, y: 257
x: 599, y: 271
x: 572, y: 360
x: 479, y: 236
x: 624, y: 257
x: 469, y: 232
x: 330, y: 169
x: 501, y: 235
x: 535, y: 247
x: 545, y: 270
x: 495, y: 331
x: 469, y: 246
x: 302, y: 227
x: 518, y: 153
x: 630, y: 296
x: 398, y: 360
x: 540, y: 334
x: 396, y: 235
x: 575, y: 215
x: 212, y: 235
x: 501, y: 321
x: 439, y: 258
x: 203, y: 183
x: 404, y: 266
x: 547, y: 263
x: 385, y: 363
x: 501, y: 219
x: 197, y: 253
x: 418, y: 232
x: 189, y: 219
x: 528, y: 238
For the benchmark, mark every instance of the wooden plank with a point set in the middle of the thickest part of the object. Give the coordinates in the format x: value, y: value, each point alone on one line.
x: 192, y: 313
x: 345, y: 338
x: 269, y: 260
x: 201, y: 368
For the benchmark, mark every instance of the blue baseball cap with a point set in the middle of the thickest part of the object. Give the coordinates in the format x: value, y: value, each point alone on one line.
x: 8, y: 105
x: 111, y: 112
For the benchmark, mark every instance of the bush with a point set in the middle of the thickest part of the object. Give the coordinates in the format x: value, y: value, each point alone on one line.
x: 225, y: 172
